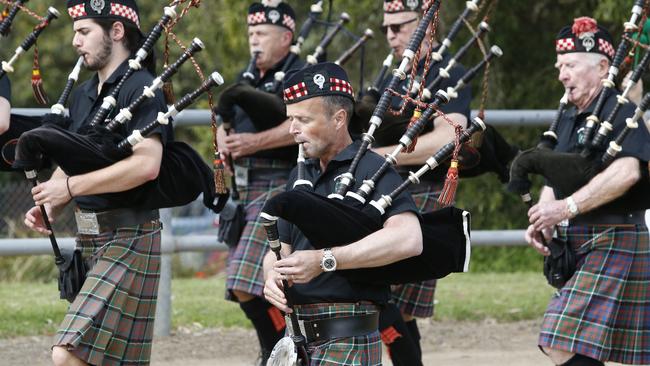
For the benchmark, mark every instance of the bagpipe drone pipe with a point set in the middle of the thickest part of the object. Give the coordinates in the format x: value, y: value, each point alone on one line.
x: 567, y: 172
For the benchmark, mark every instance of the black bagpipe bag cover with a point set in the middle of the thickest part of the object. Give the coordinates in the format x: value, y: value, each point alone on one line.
x: 18, y: 124
x: 183, y: 173
x: 327, y: 223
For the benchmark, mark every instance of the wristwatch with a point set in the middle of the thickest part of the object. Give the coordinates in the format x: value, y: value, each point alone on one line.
x: 328, y: 262
x: 572, y: 206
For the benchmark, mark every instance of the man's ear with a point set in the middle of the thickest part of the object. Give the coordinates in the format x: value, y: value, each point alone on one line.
x: 117, y: 31
x: 603, y: 66
x: 341, y: 118
x: 287, y: 38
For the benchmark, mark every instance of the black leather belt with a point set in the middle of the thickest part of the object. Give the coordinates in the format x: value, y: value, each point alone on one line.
x: 89, y: 222
x: 342, y: 327
x: 633, y: 218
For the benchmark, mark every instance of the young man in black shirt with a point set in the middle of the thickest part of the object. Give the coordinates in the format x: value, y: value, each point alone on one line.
x: 111, y: 319
x: 319, y: 106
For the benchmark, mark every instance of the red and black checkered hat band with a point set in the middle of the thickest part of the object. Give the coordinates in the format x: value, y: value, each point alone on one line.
x: 126, y: 10
x: 568, y: 45
x: 320, y: 80
x: 294, y: 92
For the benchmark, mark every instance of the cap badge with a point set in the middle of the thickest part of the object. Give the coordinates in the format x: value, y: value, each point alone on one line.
x: 587, y: 41
x: 319, y: 80
x: 97, y: 5
x: 274, y: 15
x: 412, y: 4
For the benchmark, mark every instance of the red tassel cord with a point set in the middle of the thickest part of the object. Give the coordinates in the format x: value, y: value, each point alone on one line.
x: 37, y: 81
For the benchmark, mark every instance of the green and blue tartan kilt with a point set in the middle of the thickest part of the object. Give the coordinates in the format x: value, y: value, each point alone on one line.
x: 111, y: 321
x: 603, y: 311
x: 357, y: 351
x: 244, y: 272
x: 416, y: 299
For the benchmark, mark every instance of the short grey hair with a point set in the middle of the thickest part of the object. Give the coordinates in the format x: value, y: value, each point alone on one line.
x: 333, y: 103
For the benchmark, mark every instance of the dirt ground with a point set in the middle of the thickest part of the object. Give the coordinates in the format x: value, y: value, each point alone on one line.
x: 487, y: 343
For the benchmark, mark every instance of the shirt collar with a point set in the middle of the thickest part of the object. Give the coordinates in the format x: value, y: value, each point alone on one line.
x: 91, y: 87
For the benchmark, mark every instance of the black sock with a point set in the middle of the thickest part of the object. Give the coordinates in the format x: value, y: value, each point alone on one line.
x: 259, y: 313
x: 412, y: 327
x: 395, y: 335
x: 580, y: 360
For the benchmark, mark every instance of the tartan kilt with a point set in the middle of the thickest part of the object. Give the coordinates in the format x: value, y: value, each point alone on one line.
x: 603, y: 311
x: 244, y: 271
x: 357, y: 351
x: 111, y: 321
x: 416, y: 299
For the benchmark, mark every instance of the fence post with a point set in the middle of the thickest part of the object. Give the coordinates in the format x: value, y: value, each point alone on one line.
x: 163, y: 323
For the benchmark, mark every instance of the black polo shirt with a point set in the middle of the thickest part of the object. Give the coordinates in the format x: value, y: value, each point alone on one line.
x: 460, y: 105
x: 570, y: 134
x: 5, y: 88
x: 242, y: 123
x: 331, y: 287
x: 85, y: 102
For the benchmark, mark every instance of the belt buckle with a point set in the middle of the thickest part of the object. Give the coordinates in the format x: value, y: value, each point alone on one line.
x: 86, y: 223
x: 290, y: 330
x: 241, y: 176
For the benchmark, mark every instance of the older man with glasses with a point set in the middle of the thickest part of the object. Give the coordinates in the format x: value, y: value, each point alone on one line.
x: 397, y: 321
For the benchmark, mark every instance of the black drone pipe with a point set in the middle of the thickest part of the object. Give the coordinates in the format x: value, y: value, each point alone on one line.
x: 149, y: 92
x: 346, y: 180
x: 28, y: 42
x: 5, y: 26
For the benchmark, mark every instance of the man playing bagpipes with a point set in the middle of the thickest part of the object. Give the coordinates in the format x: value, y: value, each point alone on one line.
x: 319, y: 105
x: 263, y: 157
x: 111, y: 319
x: 601, y: 313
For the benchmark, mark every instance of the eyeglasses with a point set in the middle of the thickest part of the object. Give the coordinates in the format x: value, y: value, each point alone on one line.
x: 395, y: 28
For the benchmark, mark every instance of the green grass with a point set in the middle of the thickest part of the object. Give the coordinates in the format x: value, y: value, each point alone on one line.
x: 32, y: 308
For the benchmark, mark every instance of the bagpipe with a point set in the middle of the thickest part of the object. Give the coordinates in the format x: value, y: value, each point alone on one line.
x: 347, y: 218
x: 567, y: 172
x: 183, y: 173
x: 488, y: 150
x: 266, y: 110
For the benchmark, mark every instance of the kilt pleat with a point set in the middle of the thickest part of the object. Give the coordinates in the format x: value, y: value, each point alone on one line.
x: 111, y: 321
x: 604, y: 310
x: 416, y: 299
x: 244, y: 271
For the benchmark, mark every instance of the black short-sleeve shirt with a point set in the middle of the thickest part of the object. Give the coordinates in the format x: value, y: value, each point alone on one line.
x: 331, y: 286
x: 85, y: 102
x: 242, y: 123
x: 570, y: 134
x: 460, y: 105
x: 5, y: 88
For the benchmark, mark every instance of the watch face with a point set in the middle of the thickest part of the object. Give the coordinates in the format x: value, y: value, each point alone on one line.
x: 329, y: 263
